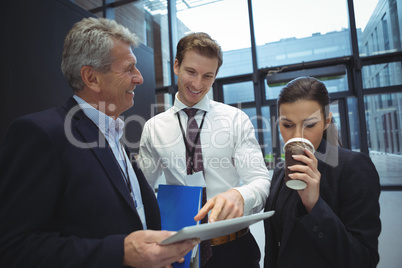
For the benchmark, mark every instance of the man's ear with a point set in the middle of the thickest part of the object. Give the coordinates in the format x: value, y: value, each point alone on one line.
x: 90, y: 78
x: 176, y: 67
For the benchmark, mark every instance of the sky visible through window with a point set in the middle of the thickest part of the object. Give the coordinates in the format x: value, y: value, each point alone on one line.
x: 227, y: 21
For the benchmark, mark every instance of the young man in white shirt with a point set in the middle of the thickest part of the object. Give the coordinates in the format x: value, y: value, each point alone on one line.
x: 237, y: 180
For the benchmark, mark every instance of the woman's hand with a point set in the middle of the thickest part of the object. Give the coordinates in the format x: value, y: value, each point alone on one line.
x: 310, y: 175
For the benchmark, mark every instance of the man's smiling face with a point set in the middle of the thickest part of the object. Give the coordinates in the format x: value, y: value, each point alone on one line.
x: 196, y: 74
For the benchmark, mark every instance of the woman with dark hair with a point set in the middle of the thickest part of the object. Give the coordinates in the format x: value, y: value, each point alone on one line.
x: 334, y: 221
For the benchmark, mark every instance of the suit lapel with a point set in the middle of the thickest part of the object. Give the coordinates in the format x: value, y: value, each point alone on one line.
x: 96, y: 142
x: 151, y: 207
x: 291, y: 198
x: 275, y: 188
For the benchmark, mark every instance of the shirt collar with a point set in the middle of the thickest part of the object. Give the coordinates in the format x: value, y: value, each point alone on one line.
x: 105, y: 123
x: 203, y: 104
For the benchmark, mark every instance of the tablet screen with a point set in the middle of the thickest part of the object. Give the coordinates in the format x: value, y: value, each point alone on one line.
x: 211, y: 230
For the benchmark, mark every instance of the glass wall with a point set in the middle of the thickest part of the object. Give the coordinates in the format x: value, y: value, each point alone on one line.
x: 148, y: 20
x: 380, y: 22
x: 384, y: 122
x: 335, y: 83
x: 293, y: 31
x: 269, y: 130
x: 238, y: 92
x: 382, y: 75
x: 358, y: 58
x: 354, y: 119
x: 232, y: 32
x: 133, y: 16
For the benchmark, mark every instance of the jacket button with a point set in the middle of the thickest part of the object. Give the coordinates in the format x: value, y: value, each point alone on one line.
x: 320, y: 235
x: 315, y: 228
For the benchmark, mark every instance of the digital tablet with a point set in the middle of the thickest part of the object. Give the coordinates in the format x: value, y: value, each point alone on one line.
x: 215, y: 229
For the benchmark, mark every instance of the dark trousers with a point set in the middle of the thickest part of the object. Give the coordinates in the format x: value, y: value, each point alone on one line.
x: 240, y: 253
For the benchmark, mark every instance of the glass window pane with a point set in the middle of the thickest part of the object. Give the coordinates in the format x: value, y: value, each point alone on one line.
x: 353, y: 124
x: 293, y: 31
x: 272, y: 91
x: 227, y: 22
x: 336, y: 83
x: 132, y: 16
x: 267, y: 134
x: 148, y: 20
x: 334, y: 108
x: 384, y: 123
x: 238, y: 92
x: 252, y: 114
x: 156, y: 35
x: 382, y: 75
x: 379, y: 26
x: 88, y: 4
x: 271, y: 126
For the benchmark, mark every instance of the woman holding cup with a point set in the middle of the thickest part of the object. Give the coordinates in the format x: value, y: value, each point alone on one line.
x: 330, y: 216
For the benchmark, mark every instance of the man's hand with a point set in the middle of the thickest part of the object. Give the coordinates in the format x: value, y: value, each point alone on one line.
x: 227, y: 205
x: 142, y: 249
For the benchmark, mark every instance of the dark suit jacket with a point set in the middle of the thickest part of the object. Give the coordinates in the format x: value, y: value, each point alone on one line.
x: 341, y: 230
x: 63, y: 199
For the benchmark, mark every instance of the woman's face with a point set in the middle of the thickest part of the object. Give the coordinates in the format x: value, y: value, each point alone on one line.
x: 303, y: 119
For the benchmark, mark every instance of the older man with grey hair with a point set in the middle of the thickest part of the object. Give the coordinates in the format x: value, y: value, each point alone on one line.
x: 69, y: 195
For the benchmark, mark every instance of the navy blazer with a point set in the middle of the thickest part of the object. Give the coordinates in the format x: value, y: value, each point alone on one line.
x: 63, y: 199
x: 343, y: 227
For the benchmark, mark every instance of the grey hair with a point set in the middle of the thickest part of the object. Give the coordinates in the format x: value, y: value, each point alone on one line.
x: 89, y: 43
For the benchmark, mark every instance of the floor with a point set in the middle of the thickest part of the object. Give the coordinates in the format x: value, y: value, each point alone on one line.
x: 388, y: 166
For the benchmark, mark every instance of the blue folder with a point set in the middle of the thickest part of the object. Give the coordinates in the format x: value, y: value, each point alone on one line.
x: 178, y: 205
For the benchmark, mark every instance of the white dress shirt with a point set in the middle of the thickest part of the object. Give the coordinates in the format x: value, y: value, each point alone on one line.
x: 112, y: 130
x: 232, y: 157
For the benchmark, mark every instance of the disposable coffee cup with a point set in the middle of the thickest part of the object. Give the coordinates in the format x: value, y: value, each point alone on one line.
x: 295, y: 146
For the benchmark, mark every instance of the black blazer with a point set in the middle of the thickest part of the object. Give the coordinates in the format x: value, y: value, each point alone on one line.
x: 63, y: 199
x: 341, y: 230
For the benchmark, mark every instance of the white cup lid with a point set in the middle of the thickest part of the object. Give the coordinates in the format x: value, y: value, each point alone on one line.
x: 299, y: 140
